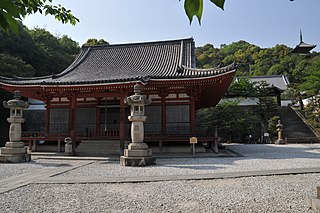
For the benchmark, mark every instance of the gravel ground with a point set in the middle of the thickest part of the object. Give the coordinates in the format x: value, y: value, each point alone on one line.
x: 253, y: 194
x: 256, y: 157
x: 12, y: 169
x: 286, y: 193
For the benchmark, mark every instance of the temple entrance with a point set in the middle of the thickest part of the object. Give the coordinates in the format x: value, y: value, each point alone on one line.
x: 109, y: 121
x: 85, y: 121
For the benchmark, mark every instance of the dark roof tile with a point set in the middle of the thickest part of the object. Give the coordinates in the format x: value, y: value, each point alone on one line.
x: 124, y: 62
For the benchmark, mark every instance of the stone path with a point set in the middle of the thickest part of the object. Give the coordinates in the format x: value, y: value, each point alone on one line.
x: 24, y: 179
x: 158, y: 178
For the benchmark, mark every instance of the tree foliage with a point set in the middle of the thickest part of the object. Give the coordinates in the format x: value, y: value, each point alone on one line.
x: 14, y: 66
x: 13, y: 11
x: 312, y: 80
x: 195, y: 8
x: 228, y: 118
x: 94, y: 41
x: 253, y: 60
x: 35, y: 52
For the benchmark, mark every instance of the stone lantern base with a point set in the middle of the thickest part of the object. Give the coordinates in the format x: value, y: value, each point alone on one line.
x: 137, y: 154
x: 14, y: 152
x: 280, y: 141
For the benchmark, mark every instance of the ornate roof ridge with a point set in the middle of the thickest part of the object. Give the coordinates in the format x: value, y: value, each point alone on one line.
x: 267, y: 76
x: 14, y: 77
x: 81, y: 56
x: 177, y: 41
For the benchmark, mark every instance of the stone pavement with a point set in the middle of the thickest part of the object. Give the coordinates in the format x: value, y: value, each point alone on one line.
x: 158, y: 178
x: 24, y: 179
x: 62, y: 156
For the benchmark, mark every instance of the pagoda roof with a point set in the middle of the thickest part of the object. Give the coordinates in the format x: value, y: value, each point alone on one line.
x: 303, y: 48
x: 121, y: 63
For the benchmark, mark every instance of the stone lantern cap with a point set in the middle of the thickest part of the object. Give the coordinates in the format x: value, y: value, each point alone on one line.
x: 16, y: 102
x: 137, y: 98
x: 279, y: 125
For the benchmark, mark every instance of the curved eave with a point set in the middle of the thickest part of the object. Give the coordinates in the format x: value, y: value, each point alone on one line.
x: 123, y: 83
x: 198, y: 78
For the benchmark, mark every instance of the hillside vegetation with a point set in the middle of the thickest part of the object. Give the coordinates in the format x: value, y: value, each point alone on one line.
x: 36, y: 52
x: 303, y: 71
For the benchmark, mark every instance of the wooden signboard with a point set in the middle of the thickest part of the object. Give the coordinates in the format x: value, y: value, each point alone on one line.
x: 193, y: 140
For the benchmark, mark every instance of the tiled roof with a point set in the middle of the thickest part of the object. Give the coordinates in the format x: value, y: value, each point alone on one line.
x: 279, y: 81
x: 172, y: 59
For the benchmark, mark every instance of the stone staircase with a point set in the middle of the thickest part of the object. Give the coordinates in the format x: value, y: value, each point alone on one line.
x: 295, y: 129
x: 98, y: 148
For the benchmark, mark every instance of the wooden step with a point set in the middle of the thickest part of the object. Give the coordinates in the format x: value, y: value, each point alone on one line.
x: 98, y: 147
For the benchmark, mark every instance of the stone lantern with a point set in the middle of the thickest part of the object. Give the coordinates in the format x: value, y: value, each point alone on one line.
x: 279, y: 130
x: 137, y: 153
x: 15, y: 150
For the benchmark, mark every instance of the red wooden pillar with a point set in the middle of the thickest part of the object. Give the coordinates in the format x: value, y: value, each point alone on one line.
x: 72, y: 120
x: 192, y: 115
x: 47, y: 127
x: 98, y: 113
x: 122, y: 123
x: 194, y: 93
x: 163, y: 115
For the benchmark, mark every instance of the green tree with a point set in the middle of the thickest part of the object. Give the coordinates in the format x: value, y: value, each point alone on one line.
x: 13, y: 11
x: 208, y: 56
x: 14, y: 66
x: 35, y: 52
x: 227, y: 117
x: 312, y: 80
x: 19, y: 45
x: 242, y: 87
x: 94, y: 42
x: 52, y: 55
x: 68, y: 45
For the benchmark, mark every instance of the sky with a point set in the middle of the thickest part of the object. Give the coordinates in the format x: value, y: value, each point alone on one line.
x: 263, y: 23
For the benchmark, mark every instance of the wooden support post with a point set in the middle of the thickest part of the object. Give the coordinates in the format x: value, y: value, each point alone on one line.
x: 160, y: 146
x: 163, y: 115
x: 98, y: 113
x: 194, y: 150
x: 29, y: 145
x: 216, y: 141
x: 192, y: 116
x: 59, y: 145
x: 72, y: 121
x: 279, y: 99
x: 47, y: 127
x: 122, y: 123
x: 34, y: 146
